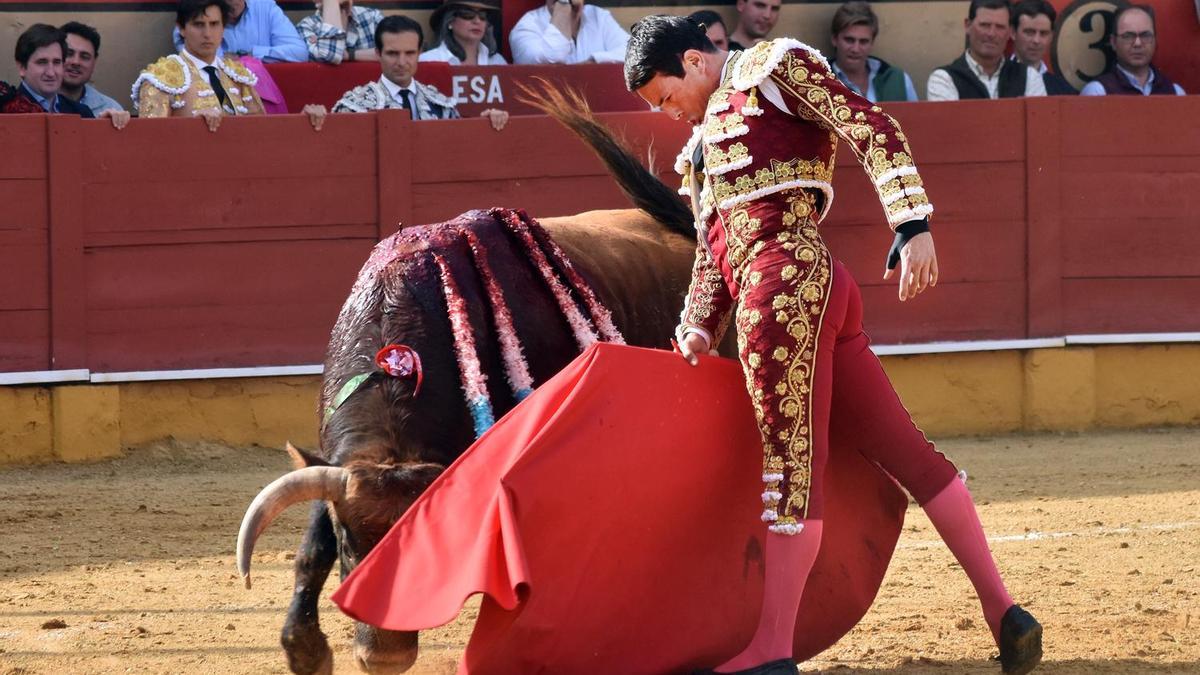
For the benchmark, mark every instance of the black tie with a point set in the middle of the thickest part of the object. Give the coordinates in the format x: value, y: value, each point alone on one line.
x: 406, y: 101
x: 222, y: 97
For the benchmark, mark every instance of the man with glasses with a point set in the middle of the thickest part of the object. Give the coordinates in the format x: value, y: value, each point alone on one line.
x: 1133, y: 40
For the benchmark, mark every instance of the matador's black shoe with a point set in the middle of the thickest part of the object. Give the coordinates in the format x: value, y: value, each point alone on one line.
x: 779, y: 667
x: 1020, y: 642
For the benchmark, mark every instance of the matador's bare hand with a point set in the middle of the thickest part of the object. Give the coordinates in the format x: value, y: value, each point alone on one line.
x: 693, y: 344
x: 918, y: 267
x: 211, y: 117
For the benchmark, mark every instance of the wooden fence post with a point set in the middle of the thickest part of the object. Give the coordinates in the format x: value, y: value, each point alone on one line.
x: 1043, y: 217
x: 393, y: 146
x: 68, y: 290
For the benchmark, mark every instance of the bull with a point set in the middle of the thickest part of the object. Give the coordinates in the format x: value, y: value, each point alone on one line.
x: 385, y: 439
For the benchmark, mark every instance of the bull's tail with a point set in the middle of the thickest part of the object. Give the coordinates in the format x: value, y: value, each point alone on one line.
x: 643, y: 188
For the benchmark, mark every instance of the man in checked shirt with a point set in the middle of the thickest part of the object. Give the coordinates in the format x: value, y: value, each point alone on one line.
x: 338, y: 31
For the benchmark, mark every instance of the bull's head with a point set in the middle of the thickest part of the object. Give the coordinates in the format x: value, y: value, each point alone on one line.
x: 365, y: 498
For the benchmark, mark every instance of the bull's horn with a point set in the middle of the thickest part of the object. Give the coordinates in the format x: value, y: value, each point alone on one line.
x: 301, y: 485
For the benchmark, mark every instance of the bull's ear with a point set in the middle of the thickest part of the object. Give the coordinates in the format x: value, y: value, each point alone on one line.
x: 301, y: 459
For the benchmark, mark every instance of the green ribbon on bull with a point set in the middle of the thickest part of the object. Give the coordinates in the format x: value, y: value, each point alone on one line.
x: 352, y: 385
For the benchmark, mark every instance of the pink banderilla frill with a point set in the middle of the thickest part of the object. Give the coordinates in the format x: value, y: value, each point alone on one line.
x: 515, y: 367
x: 580, y: 326
x: 474, y: 381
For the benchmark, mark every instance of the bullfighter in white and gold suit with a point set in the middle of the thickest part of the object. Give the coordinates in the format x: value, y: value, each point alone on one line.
x: 198, y: 81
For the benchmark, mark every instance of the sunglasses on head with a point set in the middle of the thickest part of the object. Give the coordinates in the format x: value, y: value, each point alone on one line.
x: 470, y: 14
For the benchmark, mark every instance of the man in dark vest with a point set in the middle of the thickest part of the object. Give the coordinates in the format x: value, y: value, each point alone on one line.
x: 982, y: 71
x: 1033, y: 31
x: 1134, y: 41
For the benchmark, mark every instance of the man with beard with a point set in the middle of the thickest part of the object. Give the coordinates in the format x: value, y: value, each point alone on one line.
x: 982, y: 71
x: 1133, y: 41
x: 83, y: 50
x: 756, y: 18
x: 40, y: 54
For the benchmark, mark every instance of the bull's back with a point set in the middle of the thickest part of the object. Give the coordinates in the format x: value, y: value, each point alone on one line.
x: 638, y: 267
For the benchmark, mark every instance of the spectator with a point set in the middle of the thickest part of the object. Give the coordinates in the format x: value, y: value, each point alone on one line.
x: 83, y: 48
x: 756, y: 18
x: 854, y: 30
x: 568, y: 31
x: 197, y: 82
x: 1033, y: 31
x: 398, y: 40
x: 982, y: 71
x: 1134, y: 41
x: 465, y: 33
x: 714, y: 28
x: 339, y: 31
x: 39, y: 56
x: 258, y: 28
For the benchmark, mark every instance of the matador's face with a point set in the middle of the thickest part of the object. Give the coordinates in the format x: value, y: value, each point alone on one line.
x: 683, y: 98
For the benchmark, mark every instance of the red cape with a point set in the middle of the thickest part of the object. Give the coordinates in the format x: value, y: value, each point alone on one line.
x: 612, y: 521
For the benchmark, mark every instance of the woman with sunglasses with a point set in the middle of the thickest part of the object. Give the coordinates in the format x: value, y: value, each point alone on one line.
x: 464, y: 35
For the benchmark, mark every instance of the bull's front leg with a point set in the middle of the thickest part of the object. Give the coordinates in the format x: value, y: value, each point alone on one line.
x: 306, y: 647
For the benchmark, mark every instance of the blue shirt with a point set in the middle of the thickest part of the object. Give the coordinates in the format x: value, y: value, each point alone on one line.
x: 264, y: 32
x: 58, y: 104
x: 49, y: 105
x: 873, y: 66
x: 98, y: 102
x: 1094, y: 88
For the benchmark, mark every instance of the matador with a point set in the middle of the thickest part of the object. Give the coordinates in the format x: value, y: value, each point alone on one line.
x: 758, y: 170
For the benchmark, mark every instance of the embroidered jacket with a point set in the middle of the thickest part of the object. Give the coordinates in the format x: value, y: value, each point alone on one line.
x: 429, y: 103
x: 751, y: 149
x: 174, y: 87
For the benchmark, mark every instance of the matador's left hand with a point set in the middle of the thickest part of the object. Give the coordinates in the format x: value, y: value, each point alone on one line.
x: 918, y: 266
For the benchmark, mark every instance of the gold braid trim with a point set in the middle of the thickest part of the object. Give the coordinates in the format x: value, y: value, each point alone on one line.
x: 806, y: 82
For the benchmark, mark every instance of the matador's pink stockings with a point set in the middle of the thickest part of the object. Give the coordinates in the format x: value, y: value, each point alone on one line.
x: 788, y: 559
x: 953, y: 514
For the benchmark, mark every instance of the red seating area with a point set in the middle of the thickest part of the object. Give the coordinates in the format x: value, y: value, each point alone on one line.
x: 476, y: 87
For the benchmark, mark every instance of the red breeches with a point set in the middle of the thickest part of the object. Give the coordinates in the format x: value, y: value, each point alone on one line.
x: 808, y: 364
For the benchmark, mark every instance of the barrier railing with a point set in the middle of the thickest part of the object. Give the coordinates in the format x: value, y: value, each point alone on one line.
x: 164, y: 246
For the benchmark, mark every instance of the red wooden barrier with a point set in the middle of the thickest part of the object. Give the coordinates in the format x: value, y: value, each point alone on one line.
x: 24, y: 275
x: 183, y: 248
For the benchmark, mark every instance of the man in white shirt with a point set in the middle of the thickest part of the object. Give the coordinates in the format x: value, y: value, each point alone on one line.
x: 568, y: 31
x: 982, y: 71
x: 1033, y: 33
x: 398, y: 43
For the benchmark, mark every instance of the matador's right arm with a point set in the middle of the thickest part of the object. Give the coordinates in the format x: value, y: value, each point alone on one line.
x: 708, y: 304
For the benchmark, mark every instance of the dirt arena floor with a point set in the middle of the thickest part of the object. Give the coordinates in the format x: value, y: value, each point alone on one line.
x: 127, y: 565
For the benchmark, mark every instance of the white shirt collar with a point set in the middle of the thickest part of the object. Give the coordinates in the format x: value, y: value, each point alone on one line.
x: 395, y: 89
x: 978, y: 69
x: 1041, y: 66
x: 200, y: 65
